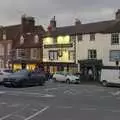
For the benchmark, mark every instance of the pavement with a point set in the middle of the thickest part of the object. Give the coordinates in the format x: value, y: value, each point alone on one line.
x: 60, y: 101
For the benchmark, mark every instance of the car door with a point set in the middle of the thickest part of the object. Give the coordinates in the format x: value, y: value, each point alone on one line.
x: 62, y: 76
x: 33, y: 78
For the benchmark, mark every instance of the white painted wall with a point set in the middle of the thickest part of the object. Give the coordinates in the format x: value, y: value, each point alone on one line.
x: 102, y: 44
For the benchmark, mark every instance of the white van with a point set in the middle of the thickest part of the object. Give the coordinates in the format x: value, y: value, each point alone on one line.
x: 110, y: 76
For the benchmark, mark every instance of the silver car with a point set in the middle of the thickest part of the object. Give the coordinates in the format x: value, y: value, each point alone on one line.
x: 4, y: 72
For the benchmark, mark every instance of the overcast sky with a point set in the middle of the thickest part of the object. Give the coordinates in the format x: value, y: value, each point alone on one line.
x: 65, y: 10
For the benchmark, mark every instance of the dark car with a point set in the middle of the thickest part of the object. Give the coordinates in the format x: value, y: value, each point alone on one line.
x: 24, y: 78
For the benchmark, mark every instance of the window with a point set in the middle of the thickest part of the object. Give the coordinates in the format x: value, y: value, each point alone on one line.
x: 34, y: 53
x: 36, y: 38
x: 54, y: 40
x: 9, y: 48
x: 114, y: 38
x: 92, y: 54
x: 114, y: 55
x: 73, y: 38
x: 53, y: 55
x: 92, y: 37
x: 1, y: 50
x: 71, y: 55
x: 21, y: 40
x: 79, y: 37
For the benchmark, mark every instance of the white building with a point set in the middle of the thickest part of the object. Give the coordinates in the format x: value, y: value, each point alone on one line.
x: 95, y: 45
x: 99, y: 46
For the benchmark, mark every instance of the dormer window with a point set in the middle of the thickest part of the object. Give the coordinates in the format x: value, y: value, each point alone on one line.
x: 21, y: 40
x: 4, y: 36
x: 36, y: 38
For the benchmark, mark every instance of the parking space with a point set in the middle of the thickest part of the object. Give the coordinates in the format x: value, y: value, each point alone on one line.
x: 56, y: 101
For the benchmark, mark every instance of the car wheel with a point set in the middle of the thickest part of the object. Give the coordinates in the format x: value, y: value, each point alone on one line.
x: 104, y: 83
x: 54, y: 79
x: 68, y: 81
x: 41, y: 81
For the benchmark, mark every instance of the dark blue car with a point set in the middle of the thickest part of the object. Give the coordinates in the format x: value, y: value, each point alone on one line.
x: 24, y: 78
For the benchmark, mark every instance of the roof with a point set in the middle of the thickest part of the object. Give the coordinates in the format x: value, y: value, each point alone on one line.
x: 11, y: 31
x: 97, y: 27
x: 114, y: 28
x: 29, y: 41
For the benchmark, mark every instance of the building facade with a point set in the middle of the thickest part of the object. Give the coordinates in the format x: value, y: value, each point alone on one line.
x: 7, y: 34
x: 59, y: 49
x: 99, y: 46
x: 27, y: 45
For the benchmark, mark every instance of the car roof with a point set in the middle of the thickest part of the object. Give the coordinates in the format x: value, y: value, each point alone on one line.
x: 5, y: 69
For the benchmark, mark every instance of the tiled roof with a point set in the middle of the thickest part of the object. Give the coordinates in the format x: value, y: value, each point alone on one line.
x: 97, y: 27
x: 29, y: 41
x: 11, y: 31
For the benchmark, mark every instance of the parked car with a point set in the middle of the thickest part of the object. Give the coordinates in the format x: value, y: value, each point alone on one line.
x: 66, y: 77
x: 24, y: 78
x: 4, y: 72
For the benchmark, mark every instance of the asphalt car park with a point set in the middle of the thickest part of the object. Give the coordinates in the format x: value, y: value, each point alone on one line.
x: 56, y: 101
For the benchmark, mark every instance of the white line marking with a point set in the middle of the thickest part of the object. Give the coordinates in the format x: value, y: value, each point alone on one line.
x: 88, y: 109
x: 2, y: 92
x: 17, y: 93
x: 59, y: 87
x: 37, y: 113
x: 7, y: 116
x: 3, y: 103
x: 115, y: 93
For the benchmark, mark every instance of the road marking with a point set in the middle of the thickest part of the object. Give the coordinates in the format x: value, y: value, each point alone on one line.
x: 56, y: 88
x: 7, y: 116
x: 37, y: 113
x: 86, y: 109
x: 3, y: 103
x: 17, y: 93
x: 64, y: 107
x: 113, y: 110
x: 2, y: 92
x: 14, y: 105
x: 115, y: 93
x: 107, y: 96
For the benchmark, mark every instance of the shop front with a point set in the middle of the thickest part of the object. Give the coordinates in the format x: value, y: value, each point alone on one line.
x: 54, y: 67
x: 90, y: 69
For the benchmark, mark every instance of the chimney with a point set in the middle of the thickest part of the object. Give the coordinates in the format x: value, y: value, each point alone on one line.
x: 28, y: 24
x: 53, y: 23
x: 118, y: 14
x: 77, y: 22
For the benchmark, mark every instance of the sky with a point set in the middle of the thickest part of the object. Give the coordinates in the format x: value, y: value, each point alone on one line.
x: 66, y: 11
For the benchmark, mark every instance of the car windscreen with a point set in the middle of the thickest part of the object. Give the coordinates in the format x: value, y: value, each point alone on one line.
x: 8, y: 71
x: 21, y: 72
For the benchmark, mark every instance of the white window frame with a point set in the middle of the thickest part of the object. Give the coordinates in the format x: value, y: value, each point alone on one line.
x: 34, y: 53
x: 92, y: 54
x: 92, y: 36
x: 71, y: 55
x: 114, y: 38
x: 80, y: 37
x: 53, y: 55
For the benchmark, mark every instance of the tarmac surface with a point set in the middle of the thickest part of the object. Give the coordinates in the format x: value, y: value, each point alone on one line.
x: 60, y: 101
